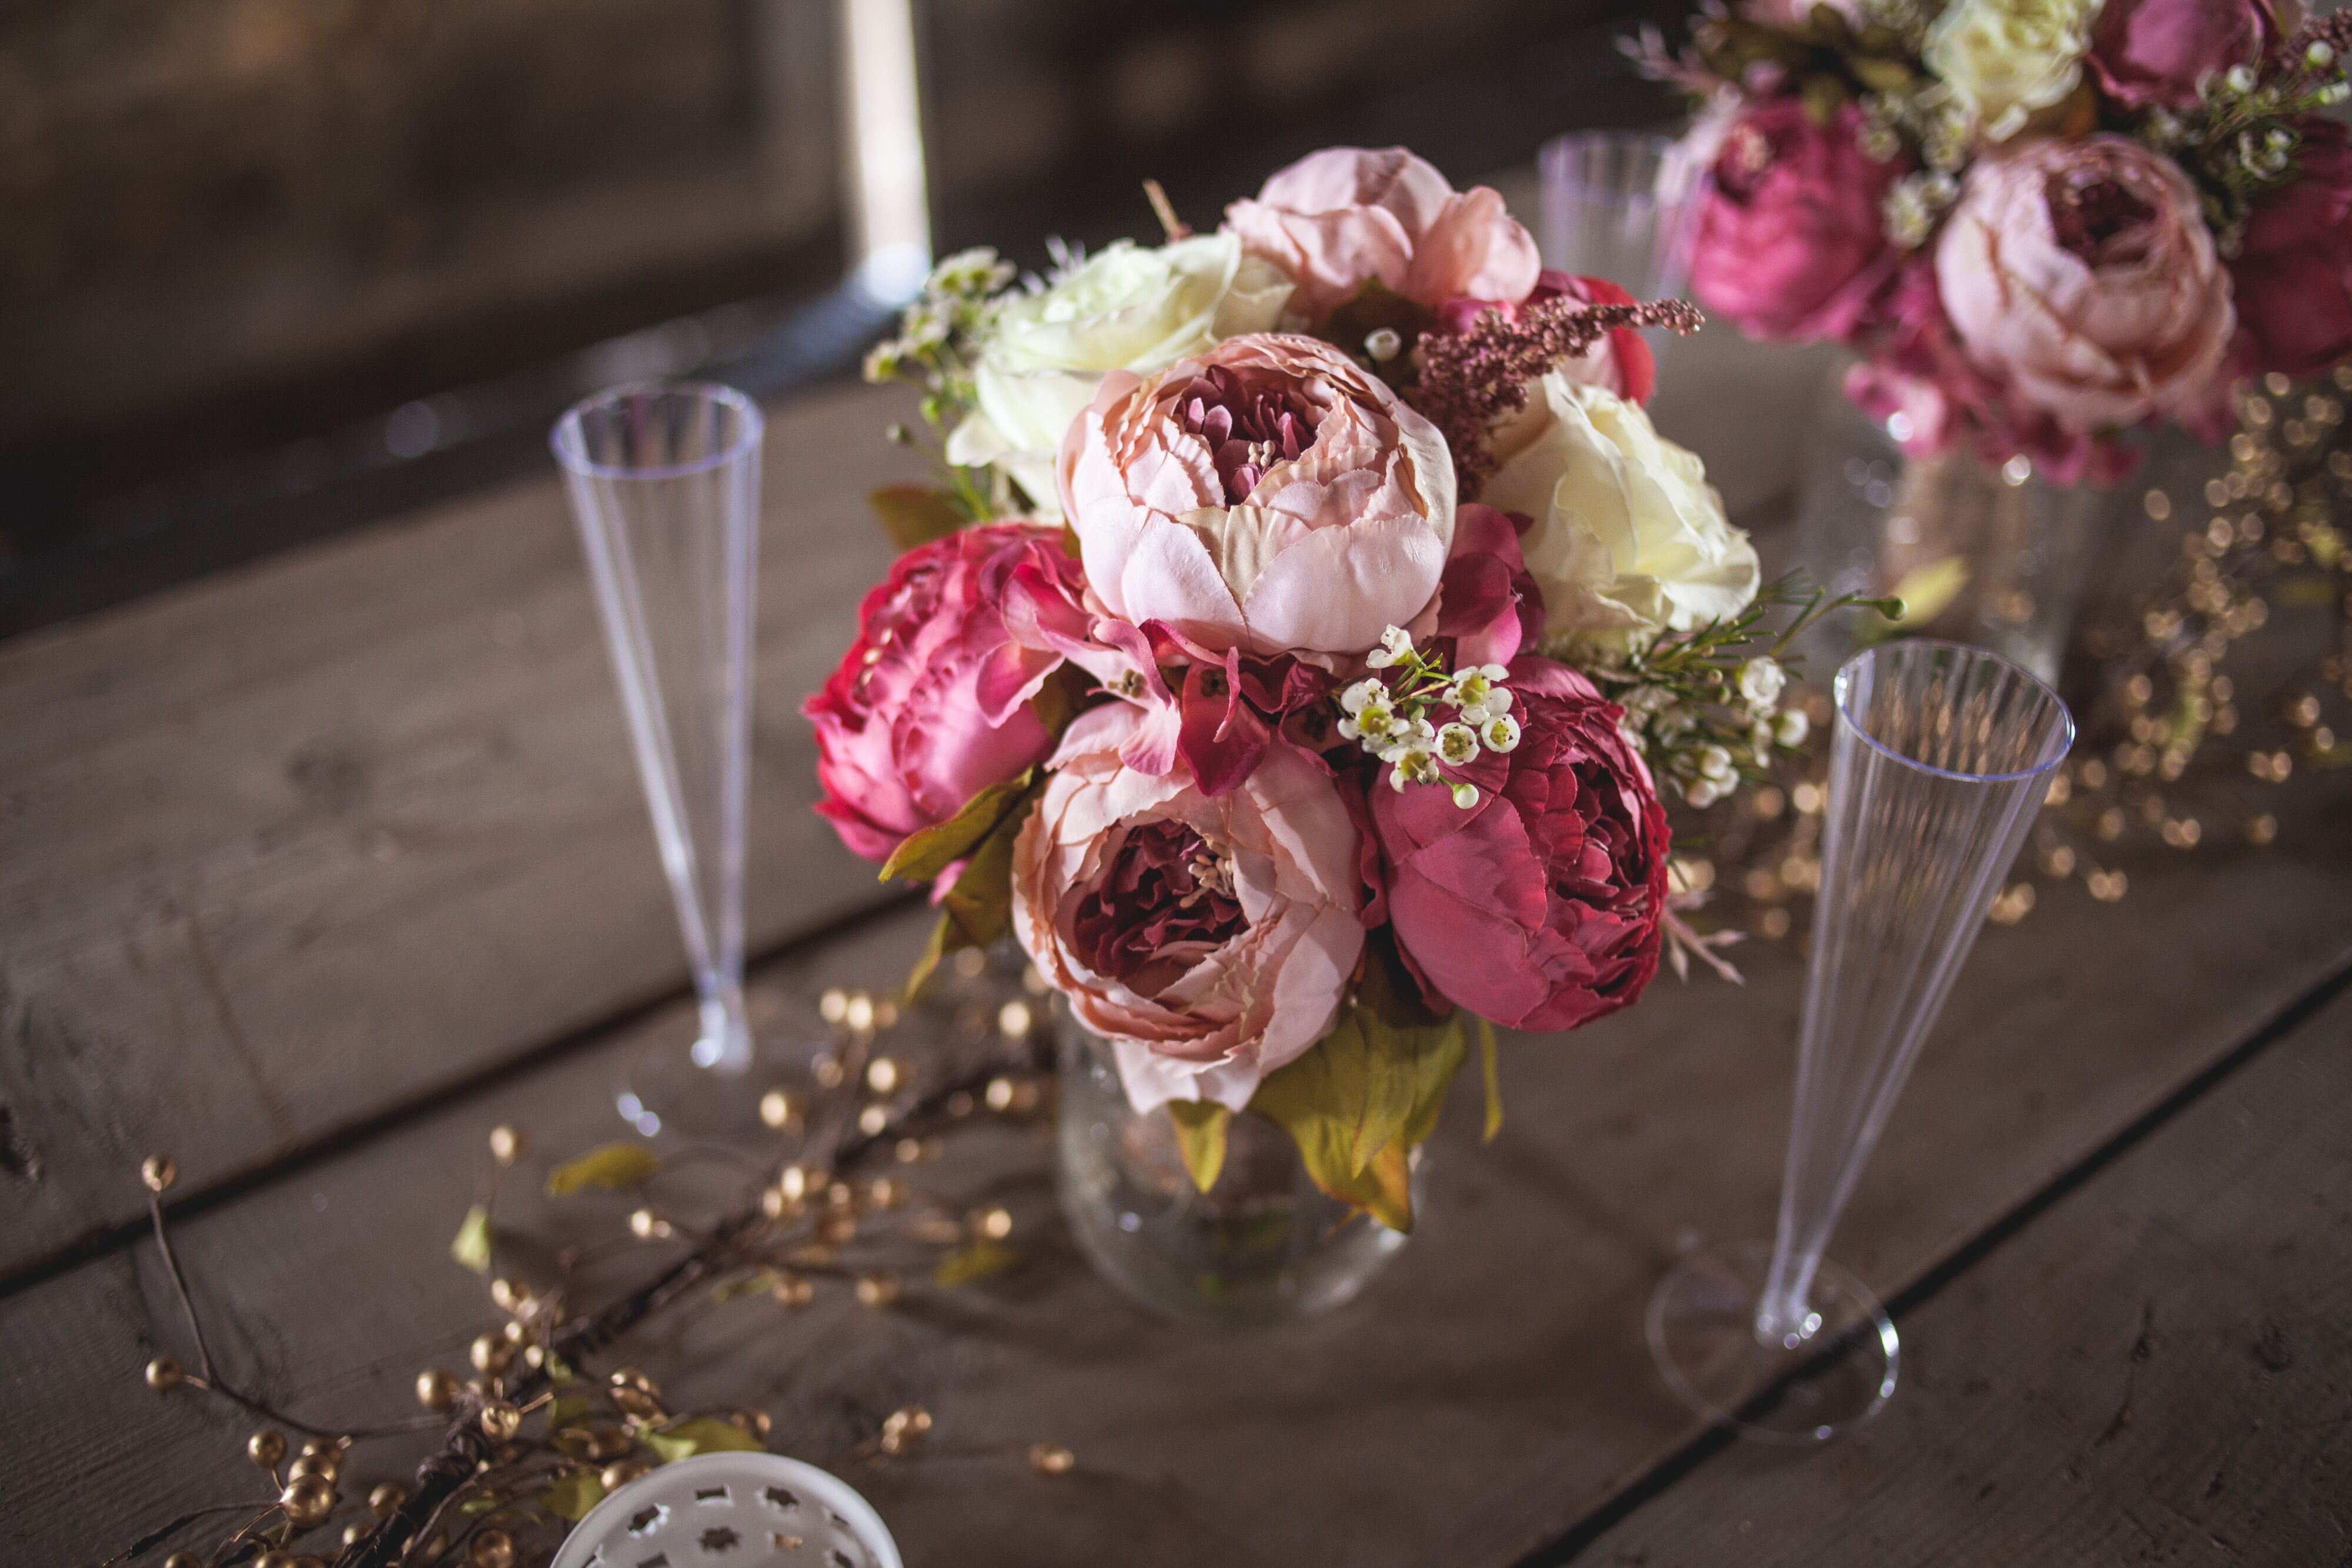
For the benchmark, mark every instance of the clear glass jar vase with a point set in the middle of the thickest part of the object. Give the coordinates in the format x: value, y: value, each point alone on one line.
x: 1265, y: 1245
x: 1995, y: 556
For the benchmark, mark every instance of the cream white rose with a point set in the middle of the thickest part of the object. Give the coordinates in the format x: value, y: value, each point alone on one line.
x: 1629, y: 538
x: 1124, y: 309
x: 2007, y: 59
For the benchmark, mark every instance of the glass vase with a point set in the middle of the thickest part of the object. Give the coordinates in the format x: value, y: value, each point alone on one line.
x: 1938, y: 763
x: 1264, y: 1245
x: 1991, y: 555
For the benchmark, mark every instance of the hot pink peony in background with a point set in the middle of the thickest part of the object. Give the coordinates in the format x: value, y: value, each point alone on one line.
x: 903, y: 736
x: 1267, y: 494
x: 1539, y: 907
x: 1340, y: 217
x: 2147, y: 52
x: 1208, y: 941
x: 2293, y: 271
x: 2080, y: 273
x: 1790, y: 241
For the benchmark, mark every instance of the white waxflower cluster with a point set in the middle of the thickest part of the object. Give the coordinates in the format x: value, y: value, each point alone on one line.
x: 1914, y: 205
x: 1699, y: 746
x: 1404, y: 719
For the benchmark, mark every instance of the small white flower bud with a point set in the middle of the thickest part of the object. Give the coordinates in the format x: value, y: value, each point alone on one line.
x: 1466, y: 795
x: 1701, y: 793
x: 1715, y: 765
x: 2319, y: 57
x: 1791, y: 727
x: 2238, y: 79
x: 1382, y: 344
x: 1761, y: 681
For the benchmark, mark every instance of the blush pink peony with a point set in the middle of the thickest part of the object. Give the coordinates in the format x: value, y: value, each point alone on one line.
x: 2080, y: 274
x: 1208, y: 941
x: 1537, y: 907
x: 1339, y: 218
x: 1266, y: 494
x: 2293, y: 272
x: 1790, y: 242
x: 904, y: 738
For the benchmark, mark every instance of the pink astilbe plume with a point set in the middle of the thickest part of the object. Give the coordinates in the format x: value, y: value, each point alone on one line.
x: 1472, y: 379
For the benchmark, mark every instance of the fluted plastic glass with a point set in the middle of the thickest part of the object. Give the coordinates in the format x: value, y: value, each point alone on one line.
x: 664, y: 484
x: 1939, y: 760
x: 1618, y: 204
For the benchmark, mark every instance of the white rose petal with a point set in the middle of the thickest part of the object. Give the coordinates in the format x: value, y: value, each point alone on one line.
x: 1629, y: 538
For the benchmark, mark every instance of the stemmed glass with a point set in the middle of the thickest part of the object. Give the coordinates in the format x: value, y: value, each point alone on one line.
x: 1941, y: 755
x: 1618, y: 204
x: 664, y: 484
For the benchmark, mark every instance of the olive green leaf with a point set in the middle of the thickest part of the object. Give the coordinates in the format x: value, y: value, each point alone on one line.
x: 472, y: 1246
x: 923, y: 855
x: 1487, y: 1070
x: 572, y: 1497
x: 1358, y: 1102
x: 977, y: 1260
x: 916, y: 514
x: 701, y: 1435
x: 1201, y: 1126
x: 613, y: 1166
x: 978, y: 909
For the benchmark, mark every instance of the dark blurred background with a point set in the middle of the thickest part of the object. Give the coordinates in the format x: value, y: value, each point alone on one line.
x: 271, y: 268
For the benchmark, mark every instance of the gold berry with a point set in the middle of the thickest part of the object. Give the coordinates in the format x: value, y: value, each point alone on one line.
x: 326, y: 1466
x: 163, y: 1374
x: 435, y: 1389
x: 274, y: 1558
x: 158, y: 1172
x: 1051, y: 1459
x: 507, y: 1145
x: 183, y: 1560
x: 385, y: 1498
x: 491, y: 1549
x: 500, y: 1420
x: 307, y: 1500
x: 620, y: 1472
x: 265, y: 1447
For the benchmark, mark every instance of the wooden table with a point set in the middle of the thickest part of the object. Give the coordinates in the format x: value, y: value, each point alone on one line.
x: 312, y: 873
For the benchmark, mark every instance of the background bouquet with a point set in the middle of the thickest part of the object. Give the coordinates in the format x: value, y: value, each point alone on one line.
x: 2039, y: 222
x: 1295, y: 652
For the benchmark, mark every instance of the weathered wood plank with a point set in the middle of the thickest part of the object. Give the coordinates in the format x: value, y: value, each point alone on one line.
x: 315, y: 839
x: 2154, y: 1370
x: 1484, y: 1395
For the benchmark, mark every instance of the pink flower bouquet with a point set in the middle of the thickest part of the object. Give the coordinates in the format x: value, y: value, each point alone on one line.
x: 1295, y: 655
x: 2037, y: 223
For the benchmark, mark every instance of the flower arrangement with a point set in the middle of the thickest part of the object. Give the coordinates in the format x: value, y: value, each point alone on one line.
x: 2037, y: 223
x: 1297, y: 647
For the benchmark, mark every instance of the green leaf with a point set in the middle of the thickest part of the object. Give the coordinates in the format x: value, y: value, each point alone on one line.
x: 701, y: 1435
x: 574, y: 1495
x: 1927, y: 591
x: 614, y: 1166
x: 559, y: 1371
x: 1061, y: 698
x: 1358, y: 1102
x: 977, y: 1260
x: 916, y: 514
x: 1201, y: 1126
x: 569, y: 1410
x: 923, y: 855
x: 754, y: 1283
x: 472, y: 1246
x: 979, y: 908
x: 1486, y: 1067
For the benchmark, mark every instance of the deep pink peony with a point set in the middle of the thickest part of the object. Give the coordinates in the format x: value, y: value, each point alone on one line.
x: 1790, y: 242
x: 2294, y: 273
x: 1620, y: 362
x: 2081, y: 273
x: 1208, y: 941
x: 1538, y: 907
x: 1338, y: 218
x: 2147, y: 52
x: 904, y: 738
x: 1267, y: 494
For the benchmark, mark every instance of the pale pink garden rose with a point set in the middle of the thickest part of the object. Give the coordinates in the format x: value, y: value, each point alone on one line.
x: 1208, y: 941
x: 1267, y: 496
x: 1339, y: 218
x: 2080, y: 273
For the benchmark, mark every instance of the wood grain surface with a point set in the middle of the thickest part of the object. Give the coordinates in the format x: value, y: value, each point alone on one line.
x: 2155, y: 1370
x: 1487, y: 1394
x: 306, y: 843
